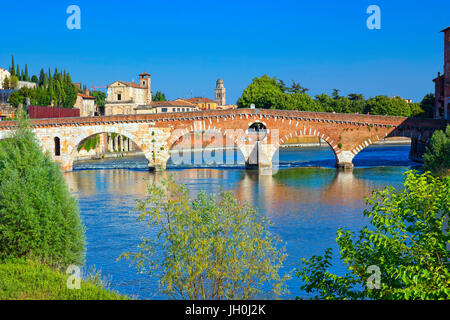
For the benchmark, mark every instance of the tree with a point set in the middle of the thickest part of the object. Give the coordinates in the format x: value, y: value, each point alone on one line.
x: 20, y: 96
x: 12, y: 69
x: 26, y: 75
x: 38, y: 215
x: 159, y: 96
x: 335, y: 93
x: 265, y: 93
x: 297, y: 88
x: 437, y: 156
x: 382, y: 105
x: 427, y: 104
x: 13, y: 82
x: 100, y: 98
x: 212, y: 247
x: 403, y: 255
x: 42, y: 78
x: 6, y: 83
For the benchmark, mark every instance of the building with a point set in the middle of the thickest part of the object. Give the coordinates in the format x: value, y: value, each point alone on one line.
x: 179, y: 105
x: 203, y: 103
x: 6, y: 112
x: 220, y: 93
x: 123, y: 97
x: 86, y: 104
x: 26, y: 84
x: 3, y: 75
x: 442, y: 82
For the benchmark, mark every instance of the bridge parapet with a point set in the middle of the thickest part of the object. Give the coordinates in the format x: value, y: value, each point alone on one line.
x: 155, y: 134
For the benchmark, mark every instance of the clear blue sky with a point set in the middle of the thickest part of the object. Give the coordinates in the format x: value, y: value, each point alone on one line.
x: 187, y: 45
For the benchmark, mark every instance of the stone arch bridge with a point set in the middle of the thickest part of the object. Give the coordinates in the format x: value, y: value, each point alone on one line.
x: 156, y: 134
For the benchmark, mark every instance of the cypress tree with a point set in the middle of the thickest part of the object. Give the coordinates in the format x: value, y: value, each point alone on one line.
x: 27, y: 76
x: 12, y: 70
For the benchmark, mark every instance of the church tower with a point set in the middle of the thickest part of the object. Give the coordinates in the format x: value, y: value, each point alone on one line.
x: 145, y: 81
x: 220, y: 96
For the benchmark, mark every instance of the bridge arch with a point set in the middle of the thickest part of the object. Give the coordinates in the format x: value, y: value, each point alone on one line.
x: 307, y: 131
x: 214, y: 136
x: 73, y: 144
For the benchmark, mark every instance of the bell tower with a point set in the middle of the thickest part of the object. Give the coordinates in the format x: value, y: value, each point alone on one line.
x: 220, y: 93
x: 145, y: 81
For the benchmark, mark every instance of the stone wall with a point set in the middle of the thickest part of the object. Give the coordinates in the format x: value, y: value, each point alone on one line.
x: 156, y: 134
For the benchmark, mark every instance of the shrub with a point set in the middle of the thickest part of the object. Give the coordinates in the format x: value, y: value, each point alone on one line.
x: 406, y: 247
x: 212, y: 247
x: 38, y: 215
x: 437, y: 157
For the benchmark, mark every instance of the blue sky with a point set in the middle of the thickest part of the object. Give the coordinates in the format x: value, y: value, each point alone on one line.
x: 187, y: 45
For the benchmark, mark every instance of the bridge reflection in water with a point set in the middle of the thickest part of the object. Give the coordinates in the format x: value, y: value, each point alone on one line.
x: 305, y: 205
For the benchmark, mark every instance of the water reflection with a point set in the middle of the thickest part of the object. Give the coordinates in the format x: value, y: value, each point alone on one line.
x: 306, y: 207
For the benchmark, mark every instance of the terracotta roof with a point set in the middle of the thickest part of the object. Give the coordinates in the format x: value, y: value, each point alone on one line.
x: 85, y: 96
x: 129, y: 84
x: 445, y: 29
x: 200, y: 100
x: 145, y: 74
x: 174, y: 103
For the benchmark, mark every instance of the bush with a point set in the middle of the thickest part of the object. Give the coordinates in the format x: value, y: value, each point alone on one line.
x: 38, y: 215
x: 212, y: 247
x: 403, y: 255
x: 437, y: 157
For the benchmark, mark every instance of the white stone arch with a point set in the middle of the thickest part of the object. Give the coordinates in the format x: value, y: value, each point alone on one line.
x: 85, y: 133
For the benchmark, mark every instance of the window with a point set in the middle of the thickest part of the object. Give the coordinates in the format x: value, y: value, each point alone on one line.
x: 57, y: 147
x: 163, y: 109
x: 119, y: 97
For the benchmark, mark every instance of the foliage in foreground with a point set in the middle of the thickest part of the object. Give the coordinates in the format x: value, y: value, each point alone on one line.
x: 38, y: 215
x: 211, y: 247
x: 437, y: 157
x: 408, y: 242
x: 30, y: 280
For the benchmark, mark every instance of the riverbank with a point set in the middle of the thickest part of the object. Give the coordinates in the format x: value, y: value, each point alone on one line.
x: 30, y: 280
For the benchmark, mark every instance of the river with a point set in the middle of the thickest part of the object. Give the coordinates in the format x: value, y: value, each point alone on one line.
x: 306, y: 201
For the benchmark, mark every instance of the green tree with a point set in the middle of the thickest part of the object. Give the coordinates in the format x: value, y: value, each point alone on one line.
x: 43, y: 80
x: 100, y: 98
x: 265, y: 93
x: 6, y: 83
x: 20, y: 96
x: 427, y: 104
x: 12, y: 69
x: 407, y: 242
x: 382, y: 105
x: 26, y: 75
x: 13, y: 82
x: 416, y: 110
x: 211, y: 247
x: 159, y: 96
x: 38, y: 215
x: 437, y: 156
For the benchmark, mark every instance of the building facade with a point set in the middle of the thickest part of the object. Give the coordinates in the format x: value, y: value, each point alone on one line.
x: 442, y: 82
x: 86, y: 104
x: 203, y: 103
x: 3, y: 75
x: 220, y: 93
x: 179, y: 105
x: 123, y: 97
